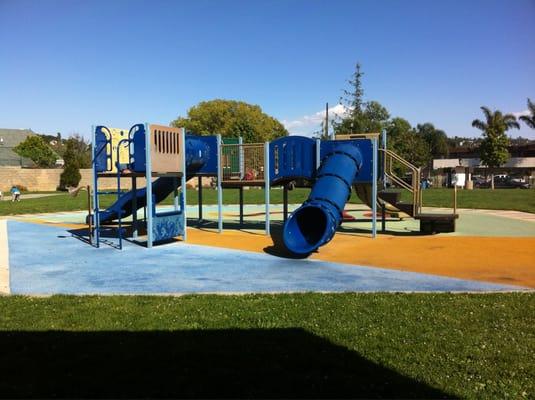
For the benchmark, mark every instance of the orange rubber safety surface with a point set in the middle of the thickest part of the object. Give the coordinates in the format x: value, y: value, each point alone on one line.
x: 508, y: 260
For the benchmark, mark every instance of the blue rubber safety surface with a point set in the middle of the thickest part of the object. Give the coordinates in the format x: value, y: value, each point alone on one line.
x: 48, y: 260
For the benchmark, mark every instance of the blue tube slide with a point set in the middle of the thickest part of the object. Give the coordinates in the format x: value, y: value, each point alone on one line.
x: 197, y: 151
x: 314, y: 223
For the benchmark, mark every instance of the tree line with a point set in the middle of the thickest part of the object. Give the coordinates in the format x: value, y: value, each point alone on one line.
x: 418, y: 144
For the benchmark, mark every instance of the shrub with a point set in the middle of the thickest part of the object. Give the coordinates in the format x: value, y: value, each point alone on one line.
x: 70, y: 176
x: 21, y: 188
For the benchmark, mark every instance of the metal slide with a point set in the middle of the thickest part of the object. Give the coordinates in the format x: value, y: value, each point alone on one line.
x: 364, y: 193
x: 314, y: 223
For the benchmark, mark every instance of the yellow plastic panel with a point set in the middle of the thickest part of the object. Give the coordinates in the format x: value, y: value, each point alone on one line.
x: 118, y: 134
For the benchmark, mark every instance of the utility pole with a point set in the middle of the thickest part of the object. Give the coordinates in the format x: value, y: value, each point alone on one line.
x: 326, y: 120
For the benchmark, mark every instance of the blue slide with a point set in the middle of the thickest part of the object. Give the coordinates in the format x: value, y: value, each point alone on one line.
x: 314, y: 223
x: 161, y: 188
x: 197, y: 153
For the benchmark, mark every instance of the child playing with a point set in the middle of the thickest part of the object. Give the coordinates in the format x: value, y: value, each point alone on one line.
x: 15, y: 194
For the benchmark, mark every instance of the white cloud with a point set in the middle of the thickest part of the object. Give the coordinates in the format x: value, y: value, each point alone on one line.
x: 520, y: 113
x: 308, y: 124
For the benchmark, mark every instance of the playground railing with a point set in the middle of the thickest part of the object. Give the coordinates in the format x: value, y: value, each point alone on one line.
x: 389, y: 160
x: 243, y: 162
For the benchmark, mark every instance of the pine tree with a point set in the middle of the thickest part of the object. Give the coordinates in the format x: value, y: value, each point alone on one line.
x: 362, y: 116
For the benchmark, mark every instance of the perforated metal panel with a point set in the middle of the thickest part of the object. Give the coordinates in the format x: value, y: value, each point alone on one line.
x: 167, y: 149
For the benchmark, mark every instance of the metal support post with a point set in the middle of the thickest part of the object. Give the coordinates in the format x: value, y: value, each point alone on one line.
x: 241, y: 158
x: 183, y: 189
x: 318, y: 153
x: 383, y: 146
x: 219, y: 187
x: 285, y: 202
x: 134, y: 208
x: 267, y: 184
x: 148, y: 179
x: 120, y: 212
x: 383, y: 217
x: 374, y: 187
x: 199, y: 199
x: 96, y: 215
x: 241, y: 205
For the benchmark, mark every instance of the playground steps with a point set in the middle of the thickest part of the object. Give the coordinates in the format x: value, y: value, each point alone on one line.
x: 436, y: 223
x: 429, y: 222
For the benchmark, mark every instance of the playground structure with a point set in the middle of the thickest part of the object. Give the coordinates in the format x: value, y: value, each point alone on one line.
x: 167, y: 157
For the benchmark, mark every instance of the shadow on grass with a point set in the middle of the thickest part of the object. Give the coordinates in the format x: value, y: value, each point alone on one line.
x: 193, y: 363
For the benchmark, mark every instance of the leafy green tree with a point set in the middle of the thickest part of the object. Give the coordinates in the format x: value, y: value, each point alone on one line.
x: 231, y: 119
x: 363, y: 117
x: 529, y: 120
x: 80, y: 149
x: 436, y: 139
x: 403, y: 140
x: 375, y: 117
x: 37, y: 150
x: 71, y: 172
x: 493, y: 150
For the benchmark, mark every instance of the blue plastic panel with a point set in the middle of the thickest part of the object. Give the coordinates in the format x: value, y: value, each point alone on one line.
x: 292, y: 157
x: 166, y: 226
x: 139, y: 156
x: 365, y: 147
x: 209, y: 153
x: 102, y: 147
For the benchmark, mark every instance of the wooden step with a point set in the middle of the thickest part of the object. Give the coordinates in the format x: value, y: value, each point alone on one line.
x: 436, y: 216
x: 407, y: 208
x: 436, y: 223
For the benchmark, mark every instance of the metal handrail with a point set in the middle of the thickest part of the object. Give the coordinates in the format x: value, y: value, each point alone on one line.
x: 414, y: 188
x: 399, y: 181
x: 399, y: 158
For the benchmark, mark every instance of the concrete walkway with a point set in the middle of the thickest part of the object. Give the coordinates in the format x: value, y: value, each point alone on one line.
x: 23, y: 196
x: 518, y: 215
x: 4, y: 258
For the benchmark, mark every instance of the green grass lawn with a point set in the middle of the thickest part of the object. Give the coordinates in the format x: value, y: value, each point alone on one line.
x: 499, y: 199
x: 308, y: 345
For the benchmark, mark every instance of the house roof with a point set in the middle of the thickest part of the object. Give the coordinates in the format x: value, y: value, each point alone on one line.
x: 12, y: 137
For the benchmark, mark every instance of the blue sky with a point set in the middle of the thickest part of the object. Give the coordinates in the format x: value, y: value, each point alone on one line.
x: 65, y: 65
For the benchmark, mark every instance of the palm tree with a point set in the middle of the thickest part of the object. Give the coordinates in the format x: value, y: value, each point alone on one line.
x: 529, y: 120
x: 493, y: 149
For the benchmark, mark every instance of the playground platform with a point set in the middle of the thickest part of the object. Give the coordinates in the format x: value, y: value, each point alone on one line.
x: 489, y: 252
